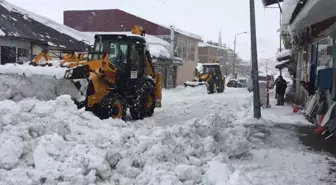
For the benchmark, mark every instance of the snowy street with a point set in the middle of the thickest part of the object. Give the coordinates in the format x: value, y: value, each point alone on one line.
x: 195, y: 138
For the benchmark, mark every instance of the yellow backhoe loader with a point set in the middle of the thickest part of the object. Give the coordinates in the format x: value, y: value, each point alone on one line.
x: 208, y: 74
x: 117, y: 75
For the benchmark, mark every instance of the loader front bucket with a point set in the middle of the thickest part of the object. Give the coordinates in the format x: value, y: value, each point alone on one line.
x: 43, y: 83
x: 193, y: 83
x: 80, y: 72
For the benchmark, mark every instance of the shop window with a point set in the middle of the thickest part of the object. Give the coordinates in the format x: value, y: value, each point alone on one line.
x: 8, y: 54
x: 182, y: 48
x: 22, y: 52
x: 322, y: 52
x: 191, y: 51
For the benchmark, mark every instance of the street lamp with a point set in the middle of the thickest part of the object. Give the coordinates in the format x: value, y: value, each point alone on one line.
x: 234, y: 53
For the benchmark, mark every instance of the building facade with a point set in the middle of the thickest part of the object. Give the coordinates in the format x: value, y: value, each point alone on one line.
x: 209, y: 52
x: 309, y: 37
x: 114, y: 20
x: 22, y: 37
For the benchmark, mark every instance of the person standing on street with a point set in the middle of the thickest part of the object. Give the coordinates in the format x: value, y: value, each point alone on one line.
x: 281, y: 86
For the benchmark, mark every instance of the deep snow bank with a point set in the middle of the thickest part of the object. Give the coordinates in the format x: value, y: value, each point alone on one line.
x: 44, y: 83
x: 17, y: 87
x: 54, y: 142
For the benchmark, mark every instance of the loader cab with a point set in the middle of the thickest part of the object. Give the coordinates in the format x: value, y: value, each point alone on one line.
x: 125, y: 52
x: 210, y: 68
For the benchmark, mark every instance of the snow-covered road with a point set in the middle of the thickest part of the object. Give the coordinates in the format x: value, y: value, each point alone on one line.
x: 183, y: 104
x: 195, y: 138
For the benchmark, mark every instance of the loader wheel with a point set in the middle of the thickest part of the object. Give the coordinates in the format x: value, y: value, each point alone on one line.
x: 220, y: 87
x: 113, y: 106
x: 145, y: 102
x: 211, y: 88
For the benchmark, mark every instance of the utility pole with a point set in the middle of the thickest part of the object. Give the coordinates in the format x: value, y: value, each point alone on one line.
x: 234, y: 57
x: 256, y: 94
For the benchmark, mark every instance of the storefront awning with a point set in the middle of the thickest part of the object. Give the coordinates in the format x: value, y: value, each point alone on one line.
x: 271, y: 2
x: 313, y: 12
x: 178, y: 61
x: 283, y: 64
x: 284, y: 55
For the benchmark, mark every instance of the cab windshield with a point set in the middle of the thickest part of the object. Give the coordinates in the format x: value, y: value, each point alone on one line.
x: 208, y: 69
x: 116, y: 48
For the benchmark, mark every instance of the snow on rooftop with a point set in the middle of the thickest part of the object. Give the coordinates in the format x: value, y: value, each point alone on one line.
x: 288, y: 7
x: 284, y: 53
x: 204, y: 44
x: 43, y: 20
x: 192, y: 35
x: 2, y: 34
x: 188, y: 34
x: 158, y: 51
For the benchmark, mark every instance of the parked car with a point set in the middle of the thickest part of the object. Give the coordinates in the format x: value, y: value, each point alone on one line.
x: 234, y: 83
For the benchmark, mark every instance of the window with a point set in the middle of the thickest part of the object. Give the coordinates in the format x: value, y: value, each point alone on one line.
x: 323, y: 57
x: 112, y: 50
x: 191, y: 51
x: 22, y: 52
x: 137, y: 59
x: 182, y: 48
x: 116, y: 48
x: 8, y: 54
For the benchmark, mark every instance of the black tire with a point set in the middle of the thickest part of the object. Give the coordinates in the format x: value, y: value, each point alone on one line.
x: 220, y: 86
x: 211, y: 88
x: 144, y: 102
x: 112, y: 105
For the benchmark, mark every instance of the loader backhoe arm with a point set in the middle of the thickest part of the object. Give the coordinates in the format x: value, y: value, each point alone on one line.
x: 44, y: 54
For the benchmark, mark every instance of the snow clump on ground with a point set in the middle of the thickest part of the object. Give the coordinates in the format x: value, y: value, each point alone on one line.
x: 53, y: 142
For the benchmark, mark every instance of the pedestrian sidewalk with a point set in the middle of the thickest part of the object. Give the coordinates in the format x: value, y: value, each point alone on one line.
x: 283, y: 117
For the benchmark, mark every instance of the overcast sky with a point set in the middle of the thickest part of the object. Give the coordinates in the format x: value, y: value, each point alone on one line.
x: 202, y: 17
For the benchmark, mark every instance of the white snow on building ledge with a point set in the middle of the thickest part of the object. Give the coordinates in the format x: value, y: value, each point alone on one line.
x: 288, y: 7
x: 313, y: 12
x: 204, y: 44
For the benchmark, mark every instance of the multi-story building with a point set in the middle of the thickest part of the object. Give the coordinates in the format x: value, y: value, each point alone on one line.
x: 209, y: 52
x: 22, y: 37
x: 114, y: 20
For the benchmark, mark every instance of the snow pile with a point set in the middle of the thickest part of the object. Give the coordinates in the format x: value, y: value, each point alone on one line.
x: 288, y: 7
x: 57, y: 143
x: 158, y: 51
x: 2, y: 34
x: 17, y: 87
x: 28, y: 70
